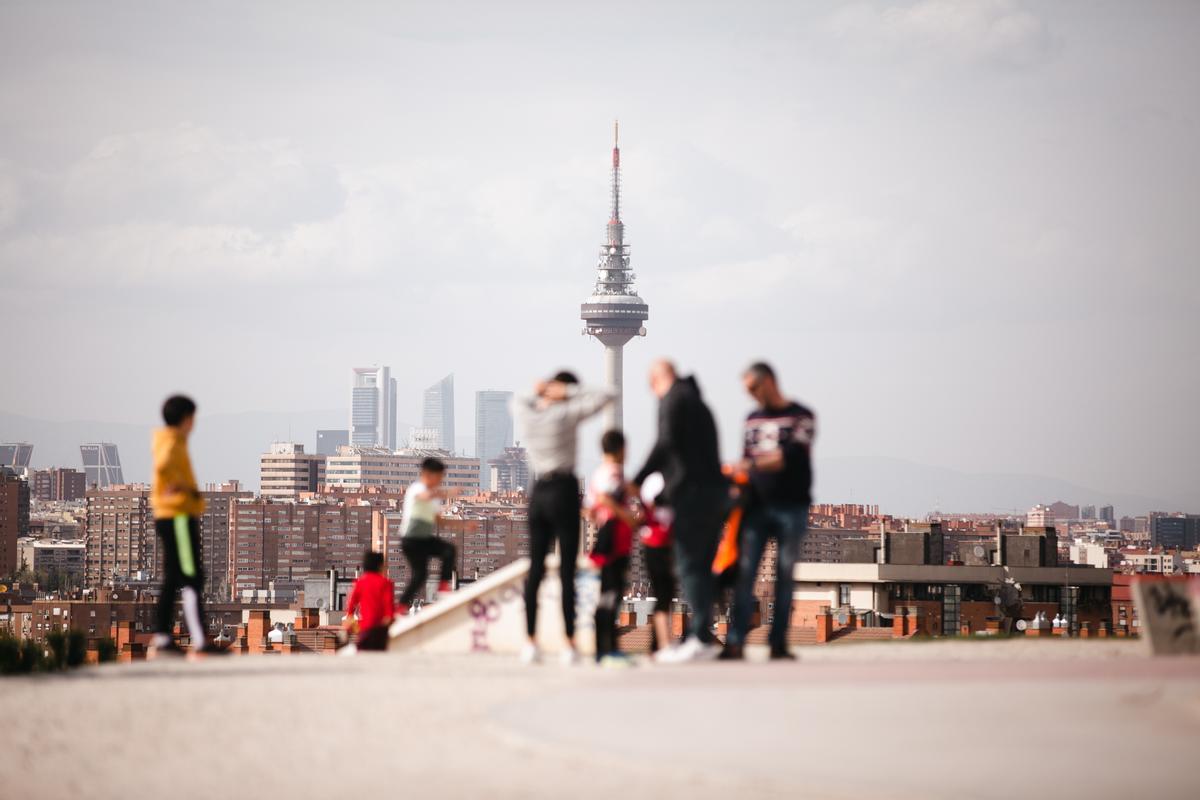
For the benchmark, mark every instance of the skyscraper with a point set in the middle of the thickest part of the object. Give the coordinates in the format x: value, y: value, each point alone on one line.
x: 328, y: 441
x: 439, y: 412
x: 102, y: 464
x: 15, y: 454
x: 614, y: 313
x: 373, y: 408
x: 493, y: 430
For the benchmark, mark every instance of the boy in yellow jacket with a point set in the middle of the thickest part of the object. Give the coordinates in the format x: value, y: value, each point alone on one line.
x: 177, y: 504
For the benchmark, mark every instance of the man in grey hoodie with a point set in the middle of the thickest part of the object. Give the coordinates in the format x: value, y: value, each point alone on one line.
x: 550, y: 419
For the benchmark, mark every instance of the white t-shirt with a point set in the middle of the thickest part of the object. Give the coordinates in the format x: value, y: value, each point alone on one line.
x: 420, y: 513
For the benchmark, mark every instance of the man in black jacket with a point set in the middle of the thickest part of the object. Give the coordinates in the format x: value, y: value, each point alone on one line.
x: 687, y: 456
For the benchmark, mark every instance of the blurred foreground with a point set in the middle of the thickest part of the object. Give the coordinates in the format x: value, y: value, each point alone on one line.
x: 984, y: 719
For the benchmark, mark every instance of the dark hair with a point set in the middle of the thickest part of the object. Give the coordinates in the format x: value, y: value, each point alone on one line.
x: 761, y: 369
x: 612, y: 442
x: 177, y: 408
x: 432, y: 464
x: 565, y: 376
x: 372, y: 561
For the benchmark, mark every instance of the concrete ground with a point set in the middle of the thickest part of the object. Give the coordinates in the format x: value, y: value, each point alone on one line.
x: 948, y: 719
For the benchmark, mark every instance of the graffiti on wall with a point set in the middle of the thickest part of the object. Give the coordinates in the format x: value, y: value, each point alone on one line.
x: 485, y: 612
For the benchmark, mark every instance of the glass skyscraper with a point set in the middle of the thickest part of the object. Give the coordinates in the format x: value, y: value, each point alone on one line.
x: 373, y: 408
x: 493, y: 430
x: 101, y: 464
x: 438, y: 413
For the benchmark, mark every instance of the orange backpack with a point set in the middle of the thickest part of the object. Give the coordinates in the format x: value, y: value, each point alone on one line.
x: 727, y: 549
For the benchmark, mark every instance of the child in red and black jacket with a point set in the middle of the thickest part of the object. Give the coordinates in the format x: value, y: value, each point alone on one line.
x: 615, y: 523
x: 373, y: 597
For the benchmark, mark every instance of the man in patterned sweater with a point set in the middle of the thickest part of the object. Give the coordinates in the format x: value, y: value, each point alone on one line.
x: 777, y: 446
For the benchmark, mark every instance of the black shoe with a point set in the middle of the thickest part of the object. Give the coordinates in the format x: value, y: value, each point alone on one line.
x: 731, y: 652
x: 212, y: 650
x: 171, y: 650
x: 782, y: 654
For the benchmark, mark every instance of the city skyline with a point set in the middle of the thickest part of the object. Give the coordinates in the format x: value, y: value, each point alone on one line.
x: 906, y: 286
x: 924, y: 288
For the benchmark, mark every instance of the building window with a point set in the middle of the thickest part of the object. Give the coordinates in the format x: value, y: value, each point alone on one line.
x: 843, y: 594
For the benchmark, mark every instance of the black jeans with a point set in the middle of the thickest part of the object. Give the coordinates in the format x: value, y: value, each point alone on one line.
x: 699, y: 517
x: 662, y: 576
x: 612, y: 586
x: 418, y: 551
x: 373, y: 638
x: 181, y: 567
x: 553, y: 514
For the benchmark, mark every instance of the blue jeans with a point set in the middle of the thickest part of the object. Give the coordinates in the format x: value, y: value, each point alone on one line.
x: 787, y: 524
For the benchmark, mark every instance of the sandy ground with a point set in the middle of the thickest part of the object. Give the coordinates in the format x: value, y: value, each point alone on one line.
x: 998, y: 719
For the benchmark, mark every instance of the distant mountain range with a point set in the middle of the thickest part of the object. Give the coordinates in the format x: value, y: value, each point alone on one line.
x: 228, y: 446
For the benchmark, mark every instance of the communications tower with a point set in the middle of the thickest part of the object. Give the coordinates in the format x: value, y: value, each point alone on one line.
x: 614, y: 313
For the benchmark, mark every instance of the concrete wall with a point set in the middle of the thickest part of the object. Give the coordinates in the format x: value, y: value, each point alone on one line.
x: 488, y: 616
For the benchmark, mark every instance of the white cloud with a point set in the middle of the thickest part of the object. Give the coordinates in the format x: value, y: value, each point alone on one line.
x: 985, y: 31
x: 192, y: 176
x: 187, y: 206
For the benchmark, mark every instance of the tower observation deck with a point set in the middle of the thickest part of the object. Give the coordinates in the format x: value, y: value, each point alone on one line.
x: 614, y: 313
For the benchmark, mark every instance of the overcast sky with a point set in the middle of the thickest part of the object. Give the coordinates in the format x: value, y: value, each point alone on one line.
x: 965, y: 233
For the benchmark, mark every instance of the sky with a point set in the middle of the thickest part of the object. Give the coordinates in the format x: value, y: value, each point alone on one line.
x: 964, y: 233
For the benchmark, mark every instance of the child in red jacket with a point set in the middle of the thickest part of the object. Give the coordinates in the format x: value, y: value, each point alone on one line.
x: 373, y: 597
x: 615, y: 522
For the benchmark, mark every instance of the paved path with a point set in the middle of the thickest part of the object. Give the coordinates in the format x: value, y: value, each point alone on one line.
x: 892, y: 720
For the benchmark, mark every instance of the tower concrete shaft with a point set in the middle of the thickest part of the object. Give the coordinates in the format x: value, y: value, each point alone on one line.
x: 614, y: 313
x: 614, y: 362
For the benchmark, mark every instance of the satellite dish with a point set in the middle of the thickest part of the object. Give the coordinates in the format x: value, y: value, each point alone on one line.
x: 979, y: 551
x: 1022, y: 624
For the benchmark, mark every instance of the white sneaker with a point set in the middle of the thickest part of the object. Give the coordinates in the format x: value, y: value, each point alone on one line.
x: 530, y: 654
x: 617, y: 661
x: 569, y: 657
x: 692, y: 649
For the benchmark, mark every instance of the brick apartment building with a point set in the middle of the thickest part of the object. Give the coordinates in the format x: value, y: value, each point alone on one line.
x: 58, y: 484
x: 272, y: 540
x: 119, y: 533
x: 14, y: 518
x: 286, y: 471
x: 94, y: 615
x: 219, y: 500
x: 486, y: 537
